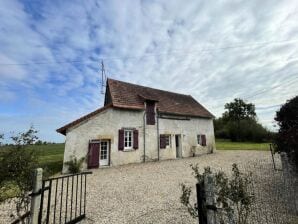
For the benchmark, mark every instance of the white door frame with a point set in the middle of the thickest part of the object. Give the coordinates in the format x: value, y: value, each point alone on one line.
x: 104, y: 153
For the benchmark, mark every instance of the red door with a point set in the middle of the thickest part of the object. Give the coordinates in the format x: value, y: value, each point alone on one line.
x: 93, y: 155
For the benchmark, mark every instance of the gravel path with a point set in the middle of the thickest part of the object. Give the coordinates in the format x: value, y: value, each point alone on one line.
x: 149, y: 193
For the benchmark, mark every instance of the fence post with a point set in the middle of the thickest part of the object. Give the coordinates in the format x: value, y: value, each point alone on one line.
x: 35, y: 201
x: 200, y: 203
x: 209, y: 186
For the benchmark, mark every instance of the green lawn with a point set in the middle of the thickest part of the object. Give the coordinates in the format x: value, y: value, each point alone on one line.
x: 50, y: 157
x: 223, y: 144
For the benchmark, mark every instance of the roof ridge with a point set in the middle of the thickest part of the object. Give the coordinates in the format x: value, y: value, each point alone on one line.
x: 149, y: 87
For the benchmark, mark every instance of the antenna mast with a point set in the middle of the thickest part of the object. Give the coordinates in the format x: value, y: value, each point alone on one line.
x: 103, y: 77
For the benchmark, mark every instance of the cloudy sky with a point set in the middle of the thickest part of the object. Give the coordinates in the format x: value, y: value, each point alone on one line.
x: 50, y: 53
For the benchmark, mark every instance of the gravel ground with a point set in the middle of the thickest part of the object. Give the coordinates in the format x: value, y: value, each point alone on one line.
x: 149, y: 193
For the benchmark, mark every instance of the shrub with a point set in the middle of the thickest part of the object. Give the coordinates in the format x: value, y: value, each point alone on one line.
x: 287, y: 136
x: 74, y: 165
x: 16, y: 168
x: 232, y: 194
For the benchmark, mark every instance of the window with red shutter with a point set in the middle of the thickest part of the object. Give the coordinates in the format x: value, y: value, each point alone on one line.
x: 150, y: 113
x: 203, y: 137
x: 93, y: 155
x: 121, y: 140
x: 135, y: 139
x: 162, y: 142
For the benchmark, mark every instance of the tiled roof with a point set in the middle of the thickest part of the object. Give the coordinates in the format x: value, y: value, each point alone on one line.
x: 131, y: 96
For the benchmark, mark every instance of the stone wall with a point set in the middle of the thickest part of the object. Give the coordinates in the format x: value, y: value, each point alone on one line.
x: 106, y: 124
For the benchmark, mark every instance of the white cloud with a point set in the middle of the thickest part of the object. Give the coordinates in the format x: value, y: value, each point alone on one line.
x: 189, y: 48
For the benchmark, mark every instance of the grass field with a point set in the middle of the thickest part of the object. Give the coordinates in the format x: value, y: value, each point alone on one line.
x: 224, y: 144
x: 50, y: 156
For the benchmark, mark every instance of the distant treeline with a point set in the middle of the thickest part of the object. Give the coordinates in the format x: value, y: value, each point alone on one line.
x: 239, y: 123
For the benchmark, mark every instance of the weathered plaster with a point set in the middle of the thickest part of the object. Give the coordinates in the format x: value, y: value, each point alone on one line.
x: 106, y: 124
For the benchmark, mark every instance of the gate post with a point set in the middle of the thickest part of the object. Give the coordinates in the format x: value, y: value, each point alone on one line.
x: 209, y: 186
x: 35, y: 201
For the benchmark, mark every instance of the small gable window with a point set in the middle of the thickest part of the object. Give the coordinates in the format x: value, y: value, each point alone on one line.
x: 150, y: 112
x: 201, y: 140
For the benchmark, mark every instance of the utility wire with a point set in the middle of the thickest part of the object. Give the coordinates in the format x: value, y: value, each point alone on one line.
x: 153, y: 54
x: 271, y: 88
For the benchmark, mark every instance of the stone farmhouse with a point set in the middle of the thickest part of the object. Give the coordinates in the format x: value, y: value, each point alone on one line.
x: 139, y: 124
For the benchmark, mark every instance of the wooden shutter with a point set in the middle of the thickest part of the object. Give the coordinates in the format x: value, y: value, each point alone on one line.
x: 150, y: 113
x: 203, y: 139
x: 121, y: 140
x: 135, y: 139
x: 93, y: 155
x: 162, y: 141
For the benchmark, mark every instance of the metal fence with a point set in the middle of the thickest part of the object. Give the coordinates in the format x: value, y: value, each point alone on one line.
x: 63, y: 199
x: 275, y: 191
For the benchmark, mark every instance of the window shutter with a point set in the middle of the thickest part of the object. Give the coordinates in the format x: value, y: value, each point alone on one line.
x: 203, y: 138
x: 162, y: 141
x: 150, y: 113
x: 135, y: 139
x: 93, y: 155
x: 121, y: 140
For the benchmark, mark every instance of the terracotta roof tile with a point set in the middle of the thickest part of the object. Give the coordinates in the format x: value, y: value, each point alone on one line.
x: 127, y: 95
x: 130, y: 96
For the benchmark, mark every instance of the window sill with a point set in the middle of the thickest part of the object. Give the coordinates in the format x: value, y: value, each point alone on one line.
x: 128, y: 150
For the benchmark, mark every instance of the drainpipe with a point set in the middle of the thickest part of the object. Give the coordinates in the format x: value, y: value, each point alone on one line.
x: 157, y: 131
x: 144, y: 159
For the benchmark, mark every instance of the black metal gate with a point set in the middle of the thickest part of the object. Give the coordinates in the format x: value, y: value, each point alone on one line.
x: 63, y: 199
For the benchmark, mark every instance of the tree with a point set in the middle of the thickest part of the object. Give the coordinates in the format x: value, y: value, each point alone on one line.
x: 287, y: 136
x: 22, y: 140
x: 239, y: 110
x: 239, y: 123
x: 16, y: 166
x: 1, y: 138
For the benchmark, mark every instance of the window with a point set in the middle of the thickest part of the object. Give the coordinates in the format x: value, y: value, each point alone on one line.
x: 128, y: 140
x: 168, y: 140
x: 201, y: 140
x: 150, y: 112
x: 165, y: 141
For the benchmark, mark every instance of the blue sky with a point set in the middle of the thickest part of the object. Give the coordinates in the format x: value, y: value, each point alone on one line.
x: 50, y: 53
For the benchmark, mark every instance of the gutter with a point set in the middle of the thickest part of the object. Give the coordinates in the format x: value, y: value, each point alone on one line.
x: 144, y: 136
x: 157, y: 131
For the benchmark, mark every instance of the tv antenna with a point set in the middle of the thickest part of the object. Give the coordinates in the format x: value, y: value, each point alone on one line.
x: 103, y: 77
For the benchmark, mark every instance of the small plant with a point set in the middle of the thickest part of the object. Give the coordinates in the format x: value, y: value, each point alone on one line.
x: 75, y: 165
x: 232, y: 194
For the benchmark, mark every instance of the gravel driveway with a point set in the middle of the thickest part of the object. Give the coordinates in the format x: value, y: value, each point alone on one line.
x: 149, y: 193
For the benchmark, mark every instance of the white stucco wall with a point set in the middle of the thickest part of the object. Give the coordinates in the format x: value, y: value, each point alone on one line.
x: 106, y: 124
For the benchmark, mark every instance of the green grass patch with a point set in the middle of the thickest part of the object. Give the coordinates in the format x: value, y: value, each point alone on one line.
x: 224, y: 144
x: 50, y: 157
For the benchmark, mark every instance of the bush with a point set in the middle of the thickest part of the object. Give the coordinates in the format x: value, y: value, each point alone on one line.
x: 244, y: 130
x: 287, y: 136
x: 232, y: 194
x: 16, y: 168
x: 74, y: 165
